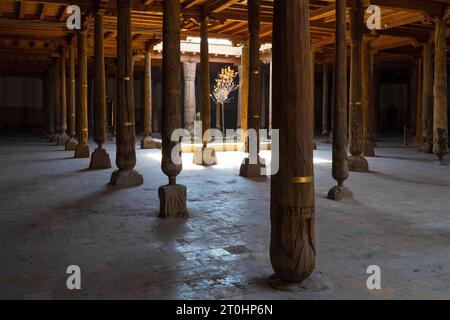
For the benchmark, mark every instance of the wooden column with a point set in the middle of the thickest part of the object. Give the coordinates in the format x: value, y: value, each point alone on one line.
x: 270, y: 96
x: 243, y: 88
x: 325, y: 129
x: 63, y: 137
x: 252, y: 165
x: 427, y: 100
x: 412, y: 98
x: 418, y: 137
x: 189, y: 69
x: 125, y: 139
x: 51, y: 102
x: 82, y: 149
x: 340, y: 129
x: 147, y: 140
x: 313, y: 95
x: 172, y: 197
x: 440, y: 123
x: 367, y: 95
x: 72, y: 143
x: 357, y: 162
x: 205, y: 156
x: 100, y: 158
x: 292, y: 208
x: 57, y: 98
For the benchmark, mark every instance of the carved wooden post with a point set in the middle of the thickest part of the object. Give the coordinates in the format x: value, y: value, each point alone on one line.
x: 418, y: 137
x: 270, y: 96
x: 325, y: 101
x: 82, y: 149
x: 125, y: 140
x: 51, y: 102
x: 252, y: 165
x: 292, y: 246
x: 357, y: 162
x: 427, y: 100
x: 205, y: 156
x: 367, y: 95
x: 100, y: 158
x: 147, y: 141
x: 63, y: 137
x: 57, y: 98
x: 189, y: 69
x: 340, y: 162
x: 72, y: 143
x: 440, y: 123
x: 243, y: 89
x: 172, y: 197
x: 313, y: 95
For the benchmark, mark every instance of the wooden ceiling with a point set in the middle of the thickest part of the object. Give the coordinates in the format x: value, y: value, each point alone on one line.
x: 32, y: 31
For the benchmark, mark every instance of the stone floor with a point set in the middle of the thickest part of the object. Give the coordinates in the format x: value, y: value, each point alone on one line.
x: 55, y: 213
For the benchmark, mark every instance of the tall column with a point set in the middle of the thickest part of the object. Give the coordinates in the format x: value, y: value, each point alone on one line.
x: 51, y: 102
x: 72, y: 143
x: 189, y: 69
x: 357, y: 162
x: 367, y: 96
x: 100, y: 158
x: 270, y: 96
x: 440, y: 123
x: 147, y: 140
x: 125, y: 139
x: 252, y: 165
x: 243, y: 88
x: 325, y: 101
x: 313, y: 95
x: 427, y: 100
x: 418, y: 137
x: 292, y: 208
x: 63, y: 137
x: 57, y: 98
x: 172, y: 197
x: 82, y: 149
x: 340, y: 129
x: 205, y: 156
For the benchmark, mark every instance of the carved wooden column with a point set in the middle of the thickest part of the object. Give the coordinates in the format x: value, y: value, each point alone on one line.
x: 252, y: 165
x: 419, y: 85
x: 270, y: 96
x: 57, y: 98
x: 292, y: 208
x: 63, y: 137
x: 82, y: 149
x: 100, y: 158
x: 125, y: 139
x: 243, y: 89
x: 172, y: 197
x: 147, y: 140
x: 325, y: 128
x: 367, y: 95
x: 72, y: 143
x: 427, y: 100
x: 357, y: 162
x: 440, y: 123
x: 189, y: 69
x: 205, y: 156
x: 313, y: 95
x: 340, y: 129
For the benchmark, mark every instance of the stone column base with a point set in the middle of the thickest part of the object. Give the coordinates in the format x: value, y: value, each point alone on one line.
x: 82, y: 151
x: 100, y: 160
x: 358, y: 164
x: 339, y: 193
x: 148, y: 143
x: 126, y: 178
x: 54, y: 137
x: 249, y: 170
x: 205, y: 157
x: 172, y: 199
x: 62, y: 139
x: 71, y: 144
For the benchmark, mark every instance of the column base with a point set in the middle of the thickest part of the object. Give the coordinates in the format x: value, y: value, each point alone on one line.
x: 148, y: 143
x: 100, y: 160
x: 327, y: 139
x: 339, y: 193
x: 249, y: 170
x: 314, y: 146
x: 71, y: 144
x: 426, y: 148
x: 82, y: 151
x: 308, y: 285
x: 126, y: 178
x: 62, y: 139
x: 369, y: 150
x: 205, y: 157
x: 54, y: 137
x: 172, y: 199
x: 358, y: 164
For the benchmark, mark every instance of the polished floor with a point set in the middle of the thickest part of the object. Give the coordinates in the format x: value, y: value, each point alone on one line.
x: 55, y: 213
